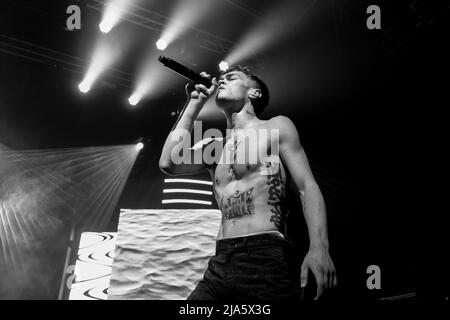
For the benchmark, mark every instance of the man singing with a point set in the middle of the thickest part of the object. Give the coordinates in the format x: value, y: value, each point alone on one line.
x: 253, y: 258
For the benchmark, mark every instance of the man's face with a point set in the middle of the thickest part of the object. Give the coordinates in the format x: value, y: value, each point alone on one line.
x: 233, y: 87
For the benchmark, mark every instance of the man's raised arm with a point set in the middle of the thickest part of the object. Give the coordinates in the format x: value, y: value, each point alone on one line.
x: 178, y: 141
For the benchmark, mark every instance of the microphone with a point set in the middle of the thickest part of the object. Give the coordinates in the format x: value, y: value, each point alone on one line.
x: 184, y: 71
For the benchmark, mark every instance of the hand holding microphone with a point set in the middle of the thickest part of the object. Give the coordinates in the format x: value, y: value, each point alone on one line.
x: 201, y: 87
x: 199, y: 91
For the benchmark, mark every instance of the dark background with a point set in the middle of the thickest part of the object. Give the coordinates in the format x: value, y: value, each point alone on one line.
x: 368, y: 105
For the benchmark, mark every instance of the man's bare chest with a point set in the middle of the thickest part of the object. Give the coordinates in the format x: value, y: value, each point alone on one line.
x: 246, y: 156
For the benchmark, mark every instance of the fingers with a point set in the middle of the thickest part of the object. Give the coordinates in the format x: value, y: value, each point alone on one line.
x: 320, y: 288
x: 320, y: 281
x: 330, y: 279
x: 200, y: 88
x: 326, y: 280
x: 194, y: 95
x: 213, y: 86
x: 213, y: 80
x: 200, y: 91
x: 189, y: 88
x: 333, y: 279
x: 304, y: 275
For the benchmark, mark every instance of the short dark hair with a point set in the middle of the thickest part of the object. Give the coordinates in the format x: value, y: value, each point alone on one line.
x: 260, y: 103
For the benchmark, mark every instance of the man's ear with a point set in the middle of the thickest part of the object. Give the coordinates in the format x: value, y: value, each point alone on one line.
x: 254, y: 93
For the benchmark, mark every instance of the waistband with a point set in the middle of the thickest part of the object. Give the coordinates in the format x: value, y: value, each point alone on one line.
x: 259, y: 239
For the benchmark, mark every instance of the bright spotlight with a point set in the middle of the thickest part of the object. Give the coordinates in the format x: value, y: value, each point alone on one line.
x: 105, y: 27
x: 134, y: 99
x: 84, y: 87
x: 223, y: 66
x: 104, y: 56
x: 161, y: 44
x: 139, y: 146
x: 113, y: 12
x: 185, y: 15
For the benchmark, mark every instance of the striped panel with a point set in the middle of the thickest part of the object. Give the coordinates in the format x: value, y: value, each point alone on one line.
x: 187, y: 193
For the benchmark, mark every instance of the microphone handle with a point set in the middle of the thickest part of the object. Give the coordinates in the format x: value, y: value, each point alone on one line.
x: 184, y: 71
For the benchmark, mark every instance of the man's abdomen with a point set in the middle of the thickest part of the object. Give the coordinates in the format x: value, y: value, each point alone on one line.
x: 253, y: 212
x: 252, y: 204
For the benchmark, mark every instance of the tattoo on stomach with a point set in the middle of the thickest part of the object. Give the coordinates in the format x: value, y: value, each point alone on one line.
x: 275, y: 192
x: 238, y: 205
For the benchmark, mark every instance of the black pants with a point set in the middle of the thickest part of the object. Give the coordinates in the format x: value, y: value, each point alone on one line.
x: 258, y: 267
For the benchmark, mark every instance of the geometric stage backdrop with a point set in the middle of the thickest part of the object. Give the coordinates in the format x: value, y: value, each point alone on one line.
x: 90, y: 279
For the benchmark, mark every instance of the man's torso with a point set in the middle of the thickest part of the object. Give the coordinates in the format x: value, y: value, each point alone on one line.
x: 250, y: 187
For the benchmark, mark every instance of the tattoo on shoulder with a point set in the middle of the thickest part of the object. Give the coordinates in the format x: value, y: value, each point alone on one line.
x: 238, y: 205
x: 250, y: 113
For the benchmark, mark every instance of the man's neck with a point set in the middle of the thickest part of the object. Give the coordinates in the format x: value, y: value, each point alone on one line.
x: 242, y: 119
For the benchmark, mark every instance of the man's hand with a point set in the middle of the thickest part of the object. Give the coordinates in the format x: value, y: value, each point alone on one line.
x: 200, y: 92
x: 319, y: 262
x: 197, y: 96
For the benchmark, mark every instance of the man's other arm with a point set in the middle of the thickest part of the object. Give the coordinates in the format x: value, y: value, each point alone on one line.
x: 317, y: 259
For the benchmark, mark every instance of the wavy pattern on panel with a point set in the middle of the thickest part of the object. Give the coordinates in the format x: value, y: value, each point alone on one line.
x: 162, y: 254
x: 93, y: 266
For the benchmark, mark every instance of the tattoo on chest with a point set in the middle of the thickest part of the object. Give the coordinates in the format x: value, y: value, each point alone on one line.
x: 276, y: 190
x: 250, y: 113
x: 238, y: 205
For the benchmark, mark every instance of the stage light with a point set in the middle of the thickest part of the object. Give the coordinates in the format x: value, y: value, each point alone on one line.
x: 276, y: 26
x: 84, y: 87
x: 152, y: 80
x: 134, y: 99
x: 139, y: 146
x: 105, y: 27
x: 105, y: 54
x: 113, y: 12
x: 29, y: 215
x: 223, y: 66
x: 161, y: 44
x: 185, y: 15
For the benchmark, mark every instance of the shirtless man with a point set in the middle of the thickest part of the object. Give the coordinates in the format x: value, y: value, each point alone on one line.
x: 253, y: 258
